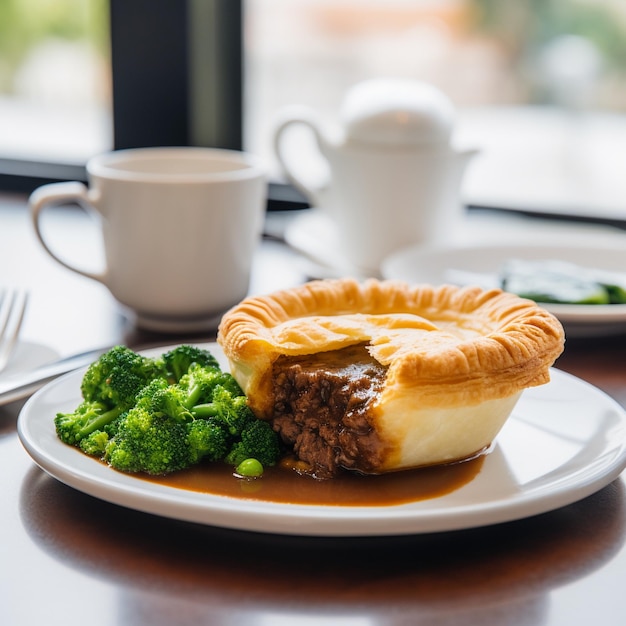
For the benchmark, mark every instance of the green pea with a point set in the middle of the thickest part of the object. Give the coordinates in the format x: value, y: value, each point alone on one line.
x: 250, y: 468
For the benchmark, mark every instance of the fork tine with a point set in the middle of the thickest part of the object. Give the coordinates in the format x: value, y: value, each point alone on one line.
x: 5, y: 310
x: 12, y: 312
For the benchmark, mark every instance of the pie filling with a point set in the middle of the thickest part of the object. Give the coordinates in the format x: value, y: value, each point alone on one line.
x: 322, y: 405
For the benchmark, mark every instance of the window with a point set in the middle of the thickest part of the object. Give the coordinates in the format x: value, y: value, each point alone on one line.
x: 54, y: 84
x: 539, y: 84
x: 166, y: 58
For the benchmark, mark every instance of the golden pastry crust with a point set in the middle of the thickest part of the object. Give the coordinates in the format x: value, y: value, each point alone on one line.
x: 446, y: 350
x: 475, y: 343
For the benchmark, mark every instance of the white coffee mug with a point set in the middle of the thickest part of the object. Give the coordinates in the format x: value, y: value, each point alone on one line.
x: 179, y: 228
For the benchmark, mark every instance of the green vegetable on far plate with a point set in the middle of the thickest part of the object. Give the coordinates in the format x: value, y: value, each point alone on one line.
x: 164, y: 414
x: 558, y: 282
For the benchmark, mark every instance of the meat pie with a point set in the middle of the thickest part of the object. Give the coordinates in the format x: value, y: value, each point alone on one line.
x: 380, y: 376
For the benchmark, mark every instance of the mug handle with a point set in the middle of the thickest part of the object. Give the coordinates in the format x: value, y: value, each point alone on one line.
x: 59, y: 193
x: 289, y: 117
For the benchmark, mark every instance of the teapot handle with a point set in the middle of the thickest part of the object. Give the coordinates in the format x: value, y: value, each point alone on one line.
x: 289, y: 117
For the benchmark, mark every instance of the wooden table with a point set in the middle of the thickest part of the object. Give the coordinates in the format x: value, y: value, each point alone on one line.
x: 68, y: 558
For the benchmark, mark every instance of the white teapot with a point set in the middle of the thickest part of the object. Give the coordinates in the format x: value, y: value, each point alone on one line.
x: 392, y: 177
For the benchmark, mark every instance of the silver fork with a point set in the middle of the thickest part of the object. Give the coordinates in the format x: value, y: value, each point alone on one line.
x: 12, y: 308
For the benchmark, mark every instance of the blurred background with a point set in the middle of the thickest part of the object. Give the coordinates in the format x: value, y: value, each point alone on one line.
x: 540, y: 85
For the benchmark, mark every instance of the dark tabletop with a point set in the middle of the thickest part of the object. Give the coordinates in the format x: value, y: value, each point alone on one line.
x: 69, y: 558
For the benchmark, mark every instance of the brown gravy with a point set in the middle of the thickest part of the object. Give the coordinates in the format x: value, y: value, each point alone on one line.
x: 349, y: 489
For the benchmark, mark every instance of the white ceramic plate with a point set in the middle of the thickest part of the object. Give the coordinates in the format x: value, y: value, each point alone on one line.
x: 458, y: 264
x: 564, y: 441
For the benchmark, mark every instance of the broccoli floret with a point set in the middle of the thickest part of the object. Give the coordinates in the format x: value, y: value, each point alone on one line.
x: 118, y: 376
x: 159, y: 444
x: 148, y: 442
x: 232, y: 411
x: 165, y: 414
x: 188, y: 398
x: 258, y: 441
x: 160, y: 435
x: 207, y: 440
x: 88, y: 417
x: 200, y: 383
x: 161, y: 398
x: 228, y: 382
x: 177, y: 361
x: 95, y: 444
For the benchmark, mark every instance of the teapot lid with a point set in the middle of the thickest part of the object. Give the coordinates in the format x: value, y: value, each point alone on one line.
x: 398, y: 112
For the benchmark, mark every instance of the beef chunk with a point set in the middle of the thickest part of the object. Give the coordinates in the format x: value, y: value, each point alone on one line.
x: 321, y: 408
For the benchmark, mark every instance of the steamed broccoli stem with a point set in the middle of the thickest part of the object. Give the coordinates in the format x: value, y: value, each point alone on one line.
x: 182, y: 399
x: 194, y: 394
x: 218, y: 395
x: 204, y: 410
x: 232, y: 411
x: 89, y: 417
x: 200, y: 384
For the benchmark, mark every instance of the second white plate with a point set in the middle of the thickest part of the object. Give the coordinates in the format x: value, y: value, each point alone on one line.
x: 439, y: 264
